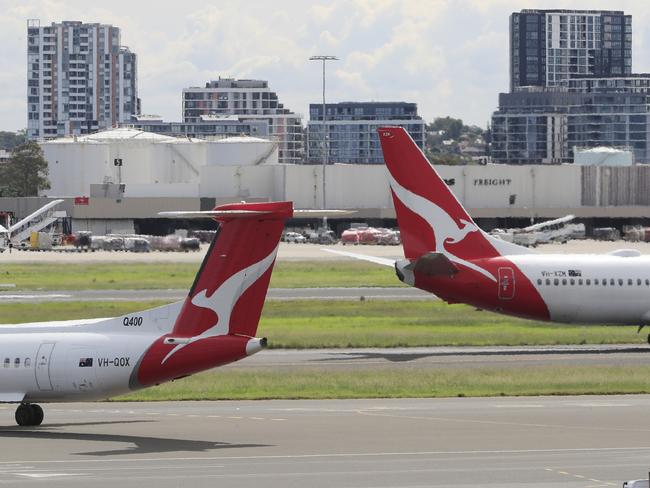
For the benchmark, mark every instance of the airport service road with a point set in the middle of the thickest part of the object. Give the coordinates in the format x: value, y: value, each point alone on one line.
x: 533, y: 442
x: 447, y: 357
x: 337, y: 293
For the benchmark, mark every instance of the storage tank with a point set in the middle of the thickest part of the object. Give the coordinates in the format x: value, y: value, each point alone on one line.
x: 603, y: 156
x: 133, y: 157
x: 241, y: 151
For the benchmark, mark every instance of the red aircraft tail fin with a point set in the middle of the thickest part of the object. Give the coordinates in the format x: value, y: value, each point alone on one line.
x: 229, y: 290
x: 430, y: 217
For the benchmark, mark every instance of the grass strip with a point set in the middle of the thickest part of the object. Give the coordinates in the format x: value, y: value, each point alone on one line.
x: 147, y: 276
x: 314, y: 383
x: 371, y: 323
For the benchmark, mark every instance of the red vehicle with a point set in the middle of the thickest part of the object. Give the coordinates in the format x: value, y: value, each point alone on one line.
x: 350, y: 236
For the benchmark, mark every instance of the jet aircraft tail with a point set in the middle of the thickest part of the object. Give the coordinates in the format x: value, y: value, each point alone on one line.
x: 430, y: 217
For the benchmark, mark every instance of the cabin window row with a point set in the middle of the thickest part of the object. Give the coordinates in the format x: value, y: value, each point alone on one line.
x: 27, y: 363
x: 595, y: 282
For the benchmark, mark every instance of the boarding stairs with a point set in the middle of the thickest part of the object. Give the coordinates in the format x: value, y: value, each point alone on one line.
x: 35, y: 222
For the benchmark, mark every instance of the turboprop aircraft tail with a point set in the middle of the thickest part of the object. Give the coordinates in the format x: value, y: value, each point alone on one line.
x: 430, y: 217
x: 219, y: 318
x: 229, y: 290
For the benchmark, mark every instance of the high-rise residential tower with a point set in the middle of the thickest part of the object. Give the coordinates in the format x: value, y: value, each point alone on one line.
x: 248, y: 100
x: 79, y: 79
x: 547, y: 47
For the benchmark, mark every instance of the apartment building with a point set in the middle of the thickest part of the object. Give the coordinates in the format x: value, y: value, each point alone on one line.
x: 80, y: 79
x: 351, y: 128
x: 548, y: 47
x: 547, y: 126
x: 249, y: 100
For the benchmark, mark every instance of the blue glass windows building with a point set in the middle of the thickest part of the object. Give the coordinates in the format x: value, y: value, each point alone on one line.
x: 351, y: 128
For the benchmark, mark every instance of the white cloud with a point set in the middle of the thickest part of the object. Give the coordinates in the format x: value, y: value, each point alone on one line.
x: 449, y: 56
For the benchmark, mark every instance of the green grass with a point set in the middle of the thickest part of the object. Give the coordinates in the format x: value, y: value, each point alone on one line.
x: 314, y: 383
x: 106, y: 276
x: 318, y: 324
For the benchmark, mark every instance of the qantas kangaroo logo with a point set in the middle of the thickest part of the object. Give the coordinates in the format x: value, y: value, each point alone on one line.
x: 445, y: 229
x: 224, y: 298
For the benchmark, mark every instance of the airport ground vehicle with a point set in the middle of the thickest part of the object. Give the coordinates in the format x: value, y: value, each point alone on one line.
x: 447, y: 254
x: 294, y: 237
x: 216, y: 324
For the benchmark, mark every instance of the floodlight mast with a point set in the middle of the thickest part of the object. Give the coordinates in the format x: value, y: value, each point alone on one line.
x: 324, y: 59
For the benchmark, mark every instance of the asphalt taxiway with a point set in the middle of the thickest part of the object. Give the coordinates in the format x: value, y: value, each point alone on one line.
x: 529, y: 442
x: 507, y: 357
x: 332, y: 293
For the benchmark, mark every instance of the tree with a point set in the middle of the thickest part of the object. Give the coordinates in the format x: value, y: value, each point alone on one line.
x: 26, y: 172
x: 452, y: 127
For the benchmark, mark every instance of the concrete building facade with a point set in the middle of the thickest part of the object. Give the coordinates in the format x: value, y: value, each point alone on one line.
x: 79, y: 79
x: 250, y: 100
x: 351, y: 129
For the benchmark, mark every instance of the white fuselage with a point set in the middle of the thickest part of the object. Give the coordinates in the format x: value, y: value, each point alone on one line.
x: 599, y: 289
x: 77, y: 360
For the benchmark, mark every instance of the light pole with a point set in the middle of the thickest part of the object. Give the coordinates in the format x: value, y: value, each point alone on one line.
x: 324, y: 59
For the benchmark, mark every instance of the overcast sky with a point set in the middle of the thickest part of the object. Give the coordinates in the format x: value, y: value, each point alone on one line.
x: 448, y: 56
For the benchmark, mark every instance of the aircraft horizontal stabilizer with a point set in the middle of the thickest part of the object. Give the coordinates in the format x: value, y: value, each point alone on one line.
x: 433, y: 264
x: 317, y: 214
x: 212, y: 214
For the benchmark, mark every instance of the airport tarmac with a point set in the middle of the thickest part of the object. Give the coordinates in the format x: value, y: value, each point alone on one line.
x: 532, y: 442
x: 289, y: 252
x: 335, y: 293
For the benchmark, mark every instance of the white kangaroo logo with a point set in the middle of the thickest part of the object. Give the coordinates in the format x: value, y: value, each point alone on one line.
x: 224, y: 298
x: 445, y: 229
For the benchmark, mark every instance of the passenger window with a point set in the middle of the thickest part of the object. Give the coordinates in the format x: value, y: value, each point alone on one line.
x: 564, y: 281
x: 638, y: 282
x: 17, y: 363
x: 556, y: 282
x: 572, y: 281
x: 588, y: 282
x: 539, y: 282
x: 548, y: 281
x: 630, y: 282
x: 28, y: 362
x: 604, y: 282
x: 647, y: 282
x: 7, y: 362
x: 580, y: 281
x: 620, y: 282
x: 595, y: 281
x: 612, y: 282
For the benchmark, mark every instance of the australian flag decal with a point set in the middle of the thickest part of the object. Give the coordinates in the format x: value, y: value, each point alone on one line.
x: 86, y: 362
